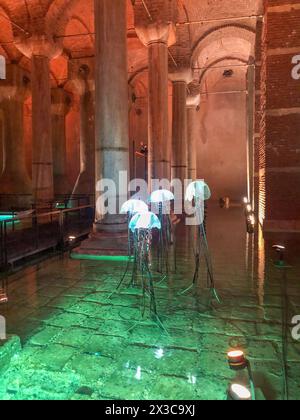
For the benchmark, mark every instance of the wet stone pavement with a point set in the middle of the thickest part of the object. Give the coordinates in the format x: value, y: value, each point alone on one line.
x: 79, y: 342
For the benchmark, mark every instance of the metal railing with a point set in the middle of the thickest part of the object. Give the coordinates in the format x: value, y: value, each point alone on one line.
x: 19, y: 202
x: 32, y: 233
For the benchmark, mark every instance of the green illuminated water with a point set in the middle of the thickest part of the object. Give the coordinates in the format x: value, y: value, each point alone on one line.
x: 79, y: 342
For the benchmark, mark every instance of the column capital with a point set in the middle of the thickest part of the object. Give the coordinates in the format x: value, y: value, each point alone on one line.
x: 181, y: 74
x: 158, y: 32
x: 39, y: 45
x: 81, y: 74
x: 193, y: 101
x: 61, y: 102
x: 16, y: 85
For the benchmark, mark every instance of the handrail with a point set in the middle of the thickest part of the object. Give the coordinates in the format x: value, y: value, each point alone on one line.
x: 53, y: 213
x: 62, y: 224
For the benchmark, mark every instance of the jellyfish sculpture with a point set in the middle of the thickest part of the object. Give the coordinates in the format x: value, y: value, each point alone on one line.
x: 199, y: 192
x: 161, y: 199
x: 142, y: 226
x: 132, y: 207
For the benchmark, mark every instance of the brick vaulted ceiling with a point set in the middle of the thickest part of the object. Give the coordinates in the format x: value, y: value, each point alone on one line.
x: 210, y: 34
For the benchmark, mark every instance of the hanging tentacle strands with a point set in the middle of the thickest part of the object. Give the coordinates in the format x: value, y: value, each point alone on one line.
x: 199, y: 192
x: 161, y: 201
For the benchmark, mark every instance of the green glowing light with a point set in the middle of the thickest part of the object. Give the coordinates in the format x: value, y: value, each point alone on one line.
x: 8, y: 218
x: 117, y: 258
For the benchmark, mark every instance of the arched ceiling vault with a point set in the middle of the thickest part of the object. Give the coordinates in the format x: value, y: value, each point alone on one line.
x: 207, y: 31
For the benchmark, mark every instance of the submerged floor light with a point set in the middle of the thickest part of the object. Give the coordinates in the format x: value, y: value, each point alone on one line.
x: 3, y: 297
x: 280, y: 250
x: 239, y: 392
x: 248, y: 208
x: 238, y: 361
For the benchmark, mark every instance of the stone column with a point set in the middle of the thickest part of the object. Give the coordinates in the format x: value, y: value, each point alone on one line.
x: 111, y: 104
x: 81, y: 75
x: 180, y: 82
x: 15, y: 181
x: 41, y: 49
x: 157, y: 37
x: 42, y: 158
x: 192, y: 104
x: 61, y: 102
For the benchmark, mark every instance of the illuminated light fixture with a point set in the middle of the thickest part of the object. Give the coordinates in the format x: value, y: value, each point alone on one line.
x: 147, y: 220
x: 161, y: 196
x: 251, y: 222
x: 279, y: 247
x: 280, y: 250
x: 237, y: 359
x: 239, y: 392
x: 133, y: 207
x: 6, y: 217
x: 159, y: 354
x: 112, y: 258
x: 192, y: 379
x: 249, y: 208
x: 3, y: 298
x: 252, y: 219
x: 138, y: 375
x: 245, y: 200
x: 72, y: 238
x: 197, y: 189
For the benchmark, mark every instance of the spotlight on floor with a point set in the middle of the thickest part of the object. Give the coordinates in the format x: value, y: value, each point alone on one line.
x: 72, y: 241
x: 248, y: 208
x: 250, y: 222
x: 237, y: 360
x: 3, y: 298
x: 239, y: 392
x: 280, y: 251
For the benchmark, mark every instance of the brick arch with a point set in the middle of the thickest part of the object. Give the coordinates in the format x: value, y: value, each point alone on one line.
x: 7, y: 47
x: 137, y: 74
x: 77, y: 20
x: 223, y: 31
x: 182, y: 9
x: 61, y: 11
x: 219, y: 60
x: 138, y: 84
x: 58, y: 16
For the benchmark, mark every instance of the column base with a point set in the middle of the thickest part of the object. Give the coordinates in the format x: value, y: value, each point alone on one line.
x: 109, y: 238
